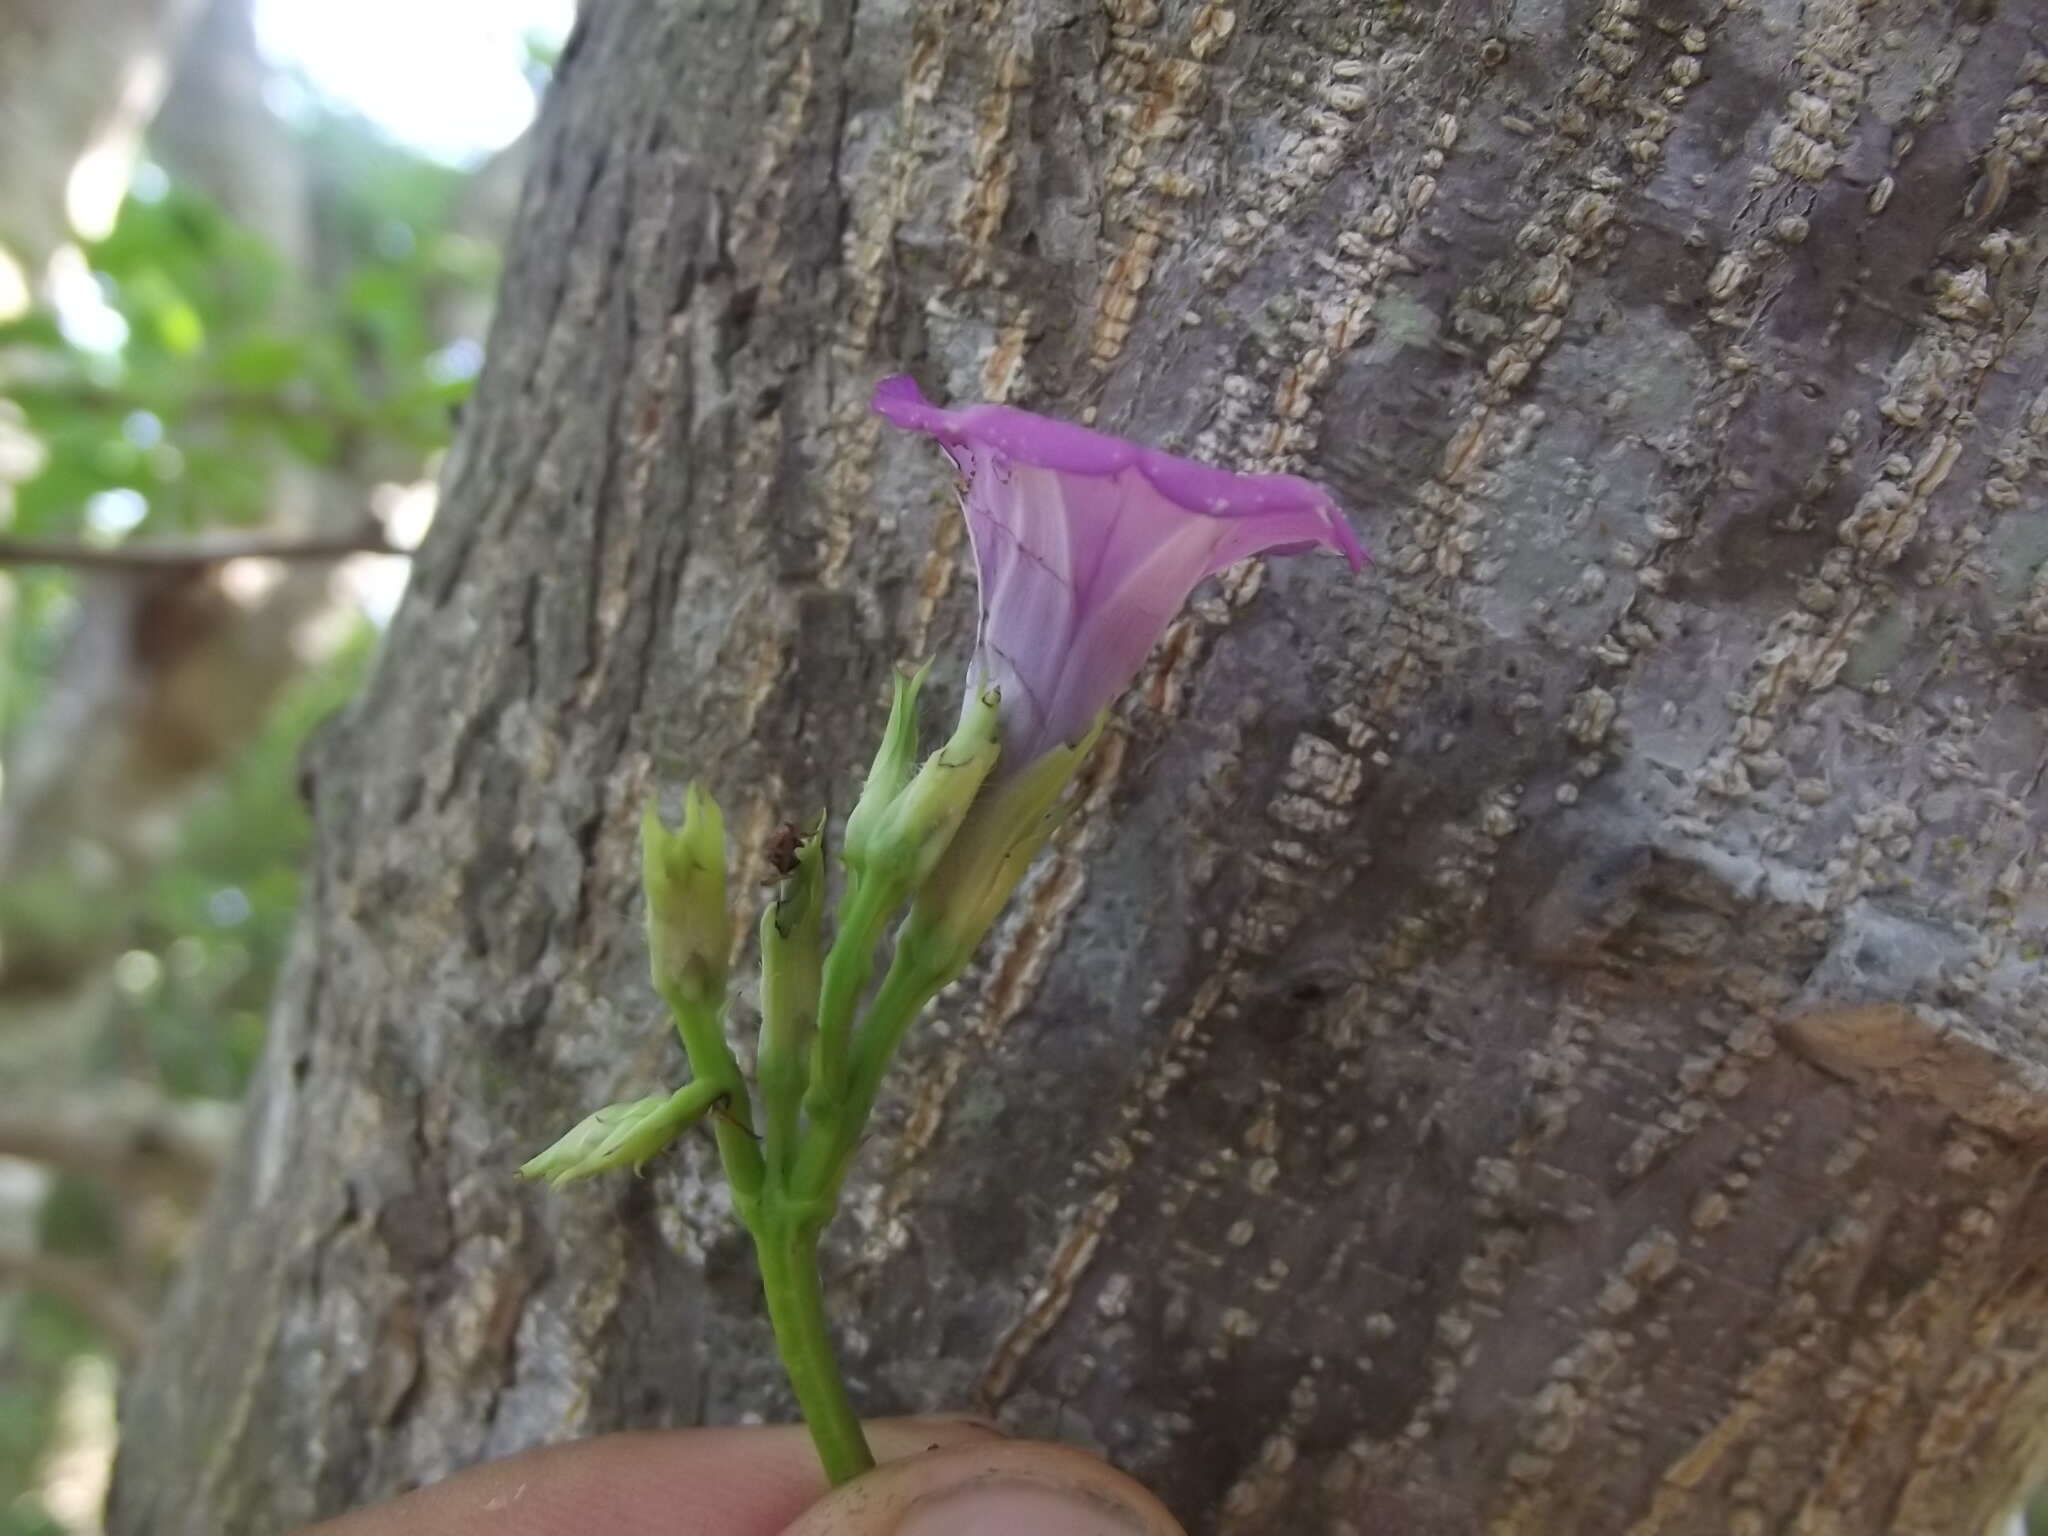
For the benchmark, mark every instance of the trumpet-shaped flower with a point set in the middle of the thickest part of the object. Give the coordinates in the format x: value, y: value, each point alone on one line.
x: 1087, y: 546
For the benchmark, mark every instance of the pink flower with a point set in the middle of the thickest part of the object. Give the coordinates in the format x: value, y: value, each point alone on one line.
x: 1087, y: 546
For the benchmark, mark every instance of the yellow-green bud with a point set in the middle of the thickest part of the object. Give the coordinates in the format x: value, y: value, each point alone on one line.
x: 622, y: 1135
x: 689, y: 930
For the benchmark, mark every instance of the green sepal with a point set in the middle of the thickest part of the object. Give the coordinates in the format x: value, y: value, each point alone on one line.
x: 958, y: 900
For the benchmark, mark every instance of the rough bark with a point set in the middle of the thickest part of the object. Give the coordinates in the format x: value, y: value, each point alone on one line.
x: 1544, y: 1038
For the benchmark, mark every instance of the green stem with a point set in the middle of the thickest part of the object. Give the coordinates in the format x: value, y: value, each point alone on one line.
x: 910, y: 983
x: 796, y: 1309
x: 848, y: 966
x: 789, y: 1007
x: 782, y: 1095
x: 712, y: 1061
x: 792, y: 962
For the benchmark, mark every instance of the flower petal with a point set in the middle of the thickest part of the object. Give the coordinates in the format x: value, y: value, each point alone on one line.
x: 1087, y: 545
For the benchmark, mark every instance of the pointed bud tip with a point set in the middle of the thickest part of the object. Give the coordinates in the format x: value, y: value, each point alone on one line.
x: 620, y: 1135
x: 689, y: 928
x: 895, y: 762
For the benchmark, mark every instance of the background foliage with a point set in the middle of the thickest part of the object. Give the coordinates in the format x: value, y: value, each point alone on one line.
x: 162, y: 400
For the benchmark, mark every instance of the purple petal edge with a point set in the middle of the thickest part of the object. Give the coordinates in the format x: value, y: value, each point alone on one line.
x: 1063, y: 447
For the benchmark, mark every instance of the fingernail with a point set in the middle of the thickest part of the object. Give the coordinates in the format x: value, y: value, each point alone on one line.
x: 1016, y: 1509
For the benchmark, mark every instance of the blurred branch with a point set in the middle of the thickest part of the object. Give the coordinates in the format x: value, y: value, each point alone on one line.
x: 132, y: 1140
x: 211, y: 551
x: 83, y: 1286
x: 275, y: 403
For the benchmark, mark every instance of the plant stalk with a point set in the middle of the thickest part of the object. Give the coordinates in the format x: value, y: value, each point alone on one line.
x: 788, y: 1255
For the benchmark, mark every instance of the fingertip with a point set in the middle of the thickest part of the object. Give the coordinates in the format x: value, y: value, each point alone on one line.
x: 996, y: 1487
x: 700, y: 1482
x: 895, y: 1439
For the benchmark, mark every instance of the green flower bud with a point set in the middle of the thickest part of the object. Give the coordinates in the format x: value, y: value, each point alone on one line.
x: 895, y: 761
x: 907, y: 839
x: 622, y: 1135
x: 689, y: 931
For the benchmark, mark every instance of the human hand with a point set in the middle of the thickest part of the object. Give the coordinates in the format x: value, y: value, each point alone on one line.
x: 936, y: 1477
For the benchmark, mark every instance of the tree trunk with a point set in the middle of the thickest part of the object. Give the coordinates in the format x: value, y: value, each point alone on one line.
x: 1545, y: 1037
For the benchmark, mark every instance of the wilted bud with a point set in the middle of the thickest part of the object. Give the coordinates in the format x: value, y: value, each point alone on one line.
x: 622, y: 1135
x: 689, y: 931
x: 909, y: 836
x: 792, y: 920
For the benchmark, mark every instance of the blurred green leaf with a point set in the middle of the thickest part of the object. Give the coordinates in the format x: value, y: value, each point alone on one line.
x: 309, y: 438
x: 35, y: 328
x: 179, y: 328
x: 263, y: 361
x: 47, y: 1337
x: 218, y: 916
x: 230, y: 391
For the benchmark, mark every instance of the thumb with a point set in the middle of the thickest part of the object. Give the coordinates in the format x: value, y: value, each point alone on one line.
x: 997, y: 1488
